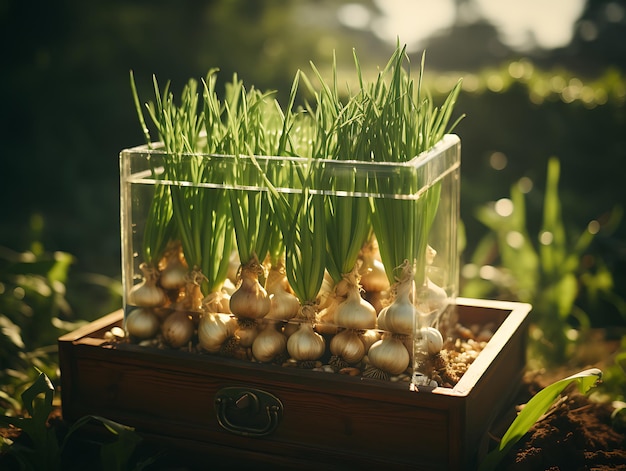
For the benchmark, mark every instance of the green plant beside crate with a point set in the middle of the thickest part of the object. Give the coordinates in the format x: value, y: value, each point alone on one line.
x: 547, y: 274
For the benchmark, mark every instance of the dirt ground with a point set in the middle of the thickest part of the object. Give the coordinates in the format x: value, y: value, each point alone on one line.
x: 576, y: 434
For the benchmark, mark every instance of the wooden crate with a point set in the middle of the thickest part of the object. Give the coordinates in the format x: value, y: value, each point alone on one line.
x: 225, y: 411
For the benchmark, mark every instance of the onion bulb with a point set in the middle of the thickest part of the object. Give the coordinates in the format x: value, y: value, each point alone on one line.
x: 142, y: 323
x: 373, y: 276
x: 355, y: 312
x: 174, y: 269
x: 290, y: 328
x: 401, y: 315
x: 247, y: 332
x: 284, y: 305
x: 372, y: 271
x: 233, y: 266
x: 250, y: 300
x: 214, y: 329
x: 430, y: 298
x: 306, y: 344
x: 369, y: 337
x: 216, y: 302
x: 177, y: 329
x: 326, y: 318
x: 389, y: 354
x: 147, y: 293
x: 433, y: 339
x: 269, y: 343
x: 326, y: 290
x: 348, y: 345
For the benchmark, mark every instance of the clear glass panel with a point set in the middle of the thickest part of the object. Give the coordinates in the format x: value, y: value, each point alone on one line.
x: 179, y: 250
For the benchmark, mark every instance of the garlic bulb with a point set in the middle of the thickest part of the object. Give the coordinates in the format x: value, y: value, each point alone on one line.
x: 142, y: 323
x: 269, y: 343
x: 348, y: 345
x: 177, y: 329
x: 214, y: 329
x: 250, y: 300
x: 389, y: 354
x: 305, y: 343
x: 433, y: 339
x: 147, y: 293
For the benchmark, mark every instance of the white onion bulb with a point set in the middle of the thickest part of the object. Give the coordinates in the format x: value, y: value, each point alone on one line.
x: 373, y: 276
x: 247, y: 333
x: 355, y: 312
x: 250, y: 300
x: 390, y: 355
x: 400, y: 316
x: 174, y: 271
x: 305, y: 343
x: 147, y: 293
x: 369, y: 337
x: 269, y: 343
x: 177, y: 329
x: 214, y: 329
x: 284, y: 305
x: 142, y: 323
x: 347, y: 345
x: 433, y: 339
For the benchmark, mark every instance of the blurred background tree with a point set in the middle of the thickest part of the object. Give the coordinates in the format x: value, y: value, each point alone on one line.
x: 528, y: 95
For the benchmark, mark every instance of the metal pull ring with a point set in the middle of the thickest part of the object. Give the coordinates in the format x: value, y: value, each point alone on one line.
x: 248, y: 412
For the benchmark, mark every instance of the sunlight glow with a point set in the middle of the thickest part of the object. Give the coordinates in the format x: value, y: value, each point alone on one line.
x: 515, y: 239
x: 504, y: 207
x: 488, y: 272
x: 593, y: 227
x: 546, y: 238
x: 498, y: 161
x: 354, y: 15
x: 413, y: 21
x: 522, y: 25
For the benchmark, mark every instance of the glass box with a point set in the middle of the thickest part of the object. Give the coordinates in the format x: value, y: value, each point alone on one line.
x: 182, y: 224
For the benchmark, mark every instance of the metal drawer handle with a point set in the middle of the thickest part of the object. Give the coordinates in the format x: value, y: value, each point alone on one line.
x: 248, y: 412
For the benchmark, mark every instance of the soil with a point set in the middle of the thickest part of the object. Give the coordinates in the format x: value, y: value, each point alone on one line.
x: 577, y: 433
